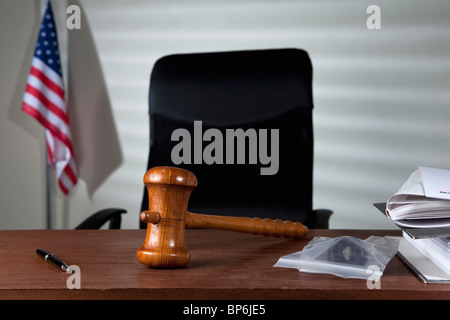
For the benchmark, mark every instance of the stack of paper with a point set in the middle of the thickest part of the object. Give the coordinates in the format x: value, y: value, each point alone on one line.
x: 428, y: 258
x: 421, y: 208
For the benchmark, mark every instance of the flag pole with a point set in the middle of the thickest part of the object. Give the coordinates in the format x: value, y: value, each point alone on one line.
x: 43, y: 6
x: 48, y: 190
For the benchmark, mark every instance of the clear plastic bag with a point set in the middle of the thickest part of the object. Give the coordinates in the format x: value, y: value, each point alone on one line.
x: 346, y: 257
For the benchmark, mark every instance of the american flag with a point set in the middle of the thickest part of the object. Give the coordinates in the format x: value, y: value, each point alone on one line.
x: 44, y: 100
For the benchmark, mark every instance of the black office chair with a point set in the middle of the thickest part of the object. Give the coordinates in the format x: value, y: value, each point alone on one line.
x: 259, y: 89
x: 98, y: 219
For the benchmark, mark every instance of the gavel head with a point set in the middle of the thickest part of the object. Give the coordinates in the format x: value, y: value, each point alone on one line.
x: 169, y: 190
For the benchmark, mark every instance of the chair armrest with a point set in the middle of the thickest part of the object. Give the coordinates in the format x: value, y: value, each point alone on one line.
x: 98, y: 219
x: 319, y: 219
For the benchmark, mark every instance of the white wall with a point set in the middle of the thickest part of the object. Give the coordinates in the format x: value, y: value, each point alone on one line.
x: 382, y: 101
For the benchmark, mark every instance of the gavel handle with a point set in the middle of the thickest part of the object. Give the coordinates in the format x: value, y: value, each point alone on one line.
x: 267, y: 227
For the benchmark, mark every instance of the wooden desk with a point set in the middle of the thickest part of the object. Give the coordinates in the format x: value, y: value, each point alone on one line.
x: 224, y: 265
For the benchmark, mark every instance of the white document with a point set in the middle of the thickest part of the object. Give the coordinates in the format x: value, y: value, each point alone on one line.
x: 436, y: 182
x: 416, y: 205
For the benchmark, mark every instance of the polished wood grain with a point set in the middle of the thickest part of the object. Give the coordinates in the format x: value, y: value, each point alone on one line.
x: 169, y: 189
x: 225, y: 265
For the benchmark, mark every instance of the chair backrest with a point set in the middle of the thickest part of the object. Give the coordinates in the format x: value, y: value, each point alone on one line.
x: 256, y: 91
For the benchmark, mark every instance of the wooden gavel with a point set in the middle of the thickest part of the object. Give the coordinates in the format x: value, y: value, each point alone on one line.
x: 169, y: 189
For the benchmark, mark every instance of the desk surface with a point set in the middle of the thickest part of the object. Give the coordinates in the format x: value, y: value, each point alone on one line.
x: 224, y: 265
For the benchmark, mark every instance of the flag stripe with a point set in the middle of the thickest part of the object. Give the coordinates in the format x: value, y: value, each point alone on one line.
x: 49, y: 73
x: 42, y: 96
x: 48, y: 93
x: 50, y: 126
x: 62, y: 186
x: 30, y: 102
x: 69, y: 178
x: 57, y: 89
x: 70, y: 172
x: 50, y: 144
x: 35, y: 81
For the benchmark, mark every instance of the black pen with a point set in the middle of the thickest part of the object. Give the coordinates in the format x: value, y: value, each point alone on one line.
x: 49, y: 257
